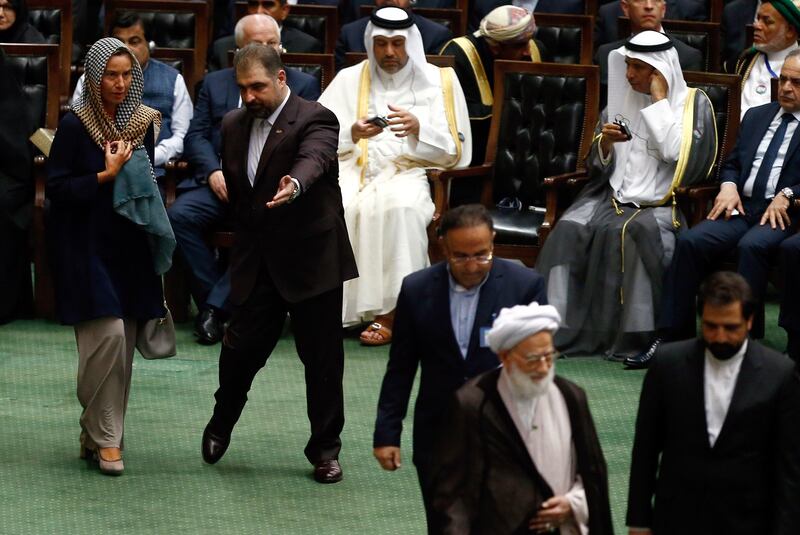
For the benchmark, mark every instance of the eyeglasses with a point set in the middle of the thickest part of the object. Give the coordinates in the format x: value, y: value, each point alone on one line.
x: 7, y: 7
x: 482, y: 259
x: 533, y: 359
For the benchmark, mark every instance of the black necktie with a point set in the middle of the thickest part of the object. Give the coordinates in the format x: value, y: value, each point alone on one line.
x: 764, y: 170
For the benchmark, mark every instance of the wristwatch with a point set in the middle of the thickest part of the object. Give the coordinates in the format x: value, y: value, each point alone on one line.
x: 296, y: 193
x: 788, y: 193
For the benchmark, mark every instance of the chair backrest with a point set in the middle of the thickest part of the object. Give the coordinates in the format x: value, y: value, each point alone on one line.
x: 567, y: 38
x: 171, y: 24
x: 724, y: 91
x: 36, y: 67
x: 53, y: 18
x: 703, y: 36
x: 543, y: 120
x: 354, y: 58
x: 320, y: 66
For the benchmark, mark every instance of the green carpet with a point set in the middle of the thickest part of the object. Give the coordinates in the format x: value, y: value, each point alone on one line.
x: 263, y: 484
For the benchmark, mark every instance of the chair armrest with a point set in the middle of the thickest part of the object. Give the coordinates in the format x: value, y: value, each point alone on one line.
x: 698, y: 198
x: 570, y: 179
x: 175, y: 170
x: 446, y: 175
x: 39, y: 180
x: 699, y: 192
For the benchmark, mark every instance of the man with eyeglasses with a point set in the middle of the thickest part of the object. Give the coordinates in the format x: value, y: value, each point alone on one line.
x: 519, y: 452
x: 443, y: 314
x: 203, y: 198
x: 292, y: 39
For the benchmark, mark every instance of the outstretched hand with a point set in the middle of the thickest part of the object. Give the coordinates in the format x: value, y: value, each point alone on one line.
x: 285, y: 190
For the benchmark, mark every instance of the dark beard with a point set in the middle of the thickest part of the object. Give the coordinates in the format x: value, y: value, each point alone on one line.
x: 259, y: 112
x: 722, y: 351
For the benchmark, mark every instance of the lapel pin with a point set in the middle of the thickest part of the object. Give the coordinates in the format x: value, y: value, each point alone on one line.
x: 278, y: 131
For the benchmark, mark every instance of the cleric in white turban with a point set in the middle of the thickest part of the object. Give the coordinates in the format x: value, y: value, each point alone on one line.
x: 520, y: 451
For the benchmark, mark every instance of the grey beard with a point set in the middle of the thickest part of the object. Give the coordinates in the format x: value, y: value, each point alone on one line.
x: 523, y: 387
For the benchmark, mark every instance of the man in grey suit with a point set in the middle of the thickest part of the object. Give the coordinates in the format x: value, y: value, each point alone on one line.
x: 717, y: 439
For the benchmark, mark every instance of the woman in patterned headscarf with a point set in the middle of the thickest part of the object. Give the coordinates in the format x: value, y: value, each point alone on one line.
x: 107, y: 278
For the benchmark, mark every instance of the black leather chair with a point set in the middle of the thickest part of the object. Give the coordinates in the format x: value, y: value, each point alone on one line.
x: 320, y: 66
x: 53, y: 19
x: 37, y: 69
x: 542, y: 125
x: 181, y: 59
x: 703, y: 36
x: 171, y: 24
x: 567, y: 38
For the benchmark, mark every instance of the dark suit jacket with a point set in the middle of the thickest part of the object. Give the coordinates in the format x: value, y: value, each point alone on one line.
x: 218, y: 95
x: 293, y: 40
x: 487, y: 483
x: 749, y: 481
x: 606, y: 24
x: 740, y: 160
x: 735, y: 16
x: 351, y: 37
x: 303, y: 245
x: 690, y: 59
x: 423, y: 336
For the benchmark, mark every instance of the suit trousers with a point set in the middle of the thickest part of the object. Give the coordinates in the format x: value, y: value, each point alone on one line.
x: 789, y: 317
x: 193, y: 214
x: 251, y: 337
x: 105, y: 362
x: 698, y: 251
x: 424, y: 464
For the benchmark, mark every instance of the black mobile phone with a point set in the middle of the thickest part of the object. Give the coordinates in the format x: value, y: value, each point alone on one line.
x: 625, y: 129
x: 380, y: 122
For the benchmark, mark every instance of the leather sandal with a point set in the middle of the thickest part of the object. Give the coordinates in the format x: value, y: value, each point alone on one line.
x: 382, y: 330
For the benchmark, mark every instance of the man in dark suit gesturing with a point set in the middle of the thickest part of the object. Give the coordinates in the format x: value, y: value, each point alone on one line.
x: 721, y: 412
x: 291, y: 253
x: 443, y: 314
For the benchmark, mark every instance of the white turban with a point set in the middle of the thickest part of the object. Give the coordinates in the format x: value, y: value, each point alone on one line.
x: 507, y: 24
x: 517, y: 323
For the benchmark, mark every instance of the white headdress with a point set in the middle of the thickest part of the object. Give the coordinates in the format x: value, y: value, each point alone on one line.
x: 515, y: 324
x: 391, y: 22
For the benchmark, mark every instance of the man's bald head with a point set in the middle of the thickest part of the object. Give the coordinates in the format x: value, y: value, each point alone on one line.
x: 258, y: 28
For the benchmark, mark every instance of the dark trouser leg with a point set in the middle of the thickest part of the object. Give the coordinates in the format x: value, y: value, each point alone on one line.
x: 425, y: 475
x: 192, y: 215
x: 754, y: 250
x: 696, y: 251
x: 249, y: 340
x: 317, y: 326
x: 789, y: 317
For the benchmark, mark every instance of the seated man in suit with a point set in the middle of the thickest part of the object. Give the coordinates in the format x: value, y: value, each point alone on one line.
x: 775, y: 34
x: 644, y: 16
x: 202, y: 198
x: 716, y: 444
x: 164, y: 89
x: 481, y: 8
x: 292, y: 40
x: 759, y: 180
x: 736, y: 15
x: 519, y: 451
x: 607, y: 23
x: 399, y: 115
x: 505, y: 33
x: 605, y: 258
x: 443, y: 313
x: 351, y: 35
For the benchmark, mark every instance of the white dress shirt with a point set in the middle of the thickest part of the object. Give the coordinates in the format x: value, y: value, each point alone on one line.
x: 259, y: 133
x: 719, y: 381
x: 775, y: 172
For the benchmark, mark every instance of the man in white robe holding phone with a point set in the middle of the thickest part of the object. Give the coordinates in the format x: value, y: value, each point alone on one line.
x: 398, y: 115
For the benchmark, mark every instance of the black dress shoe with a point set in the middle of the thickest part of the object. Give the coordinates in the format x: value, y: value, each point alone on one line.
x: 327, y: 471
x: 214, y: 446
x: 208, y: 327
x: 642, y: 360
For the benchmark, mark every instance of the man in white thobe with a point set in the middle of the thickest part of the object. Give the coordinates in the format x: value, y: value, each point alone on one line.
x: 520, y: 452
x: 398, y: 115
